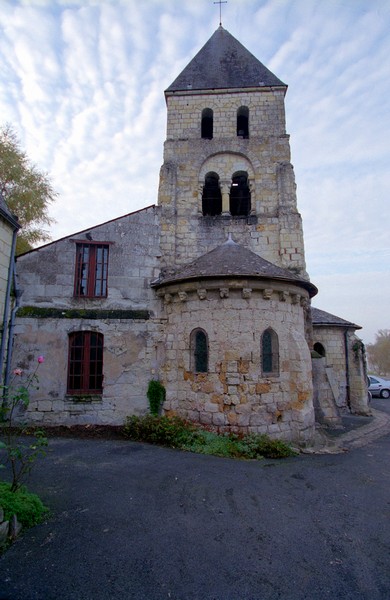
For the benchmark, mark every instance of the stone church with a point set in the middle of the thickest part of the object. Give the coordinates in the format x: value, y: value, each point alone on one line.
x: 207, y: 291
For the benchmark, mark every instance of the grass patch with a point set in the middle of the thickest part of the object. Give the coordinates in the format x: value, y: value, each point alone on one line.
x: 178, y: 433
x: 28, y: 507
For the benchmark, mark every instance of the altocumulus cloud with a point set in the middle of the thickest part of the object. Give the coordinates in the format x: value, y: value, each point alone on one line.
x: 82, y: 84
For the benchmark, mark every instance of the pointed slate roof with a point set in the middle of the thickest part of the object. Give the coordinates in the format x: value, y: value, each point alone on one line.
x: 232, y: 260
x: 224, y: 62
x: 321, y: 317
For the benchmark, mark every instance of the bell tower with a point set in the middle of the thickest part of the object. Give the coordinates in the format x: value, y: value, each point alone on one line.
x: 227, y: 166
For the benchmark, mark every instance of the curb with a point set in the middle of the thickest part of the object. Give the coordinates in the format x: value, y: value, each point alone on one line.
x: 357, y: 438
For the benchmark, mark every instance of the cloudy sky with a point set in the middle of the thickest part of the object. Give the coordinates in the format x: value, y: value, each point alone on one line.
x: 82, y: 81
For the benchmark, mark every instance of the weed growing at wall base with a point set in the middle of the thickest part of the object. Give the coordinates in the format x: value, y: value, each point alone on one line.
x: 178, y: 433
x: 20, y: 454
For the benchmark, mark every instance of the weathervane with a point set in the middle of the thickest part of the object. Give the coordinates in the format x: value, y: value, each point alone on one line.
x: 220, y: 2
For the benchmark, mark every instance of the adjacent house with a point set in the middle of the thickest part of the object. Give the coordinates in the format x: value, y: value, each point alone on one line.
x: 8, y: 230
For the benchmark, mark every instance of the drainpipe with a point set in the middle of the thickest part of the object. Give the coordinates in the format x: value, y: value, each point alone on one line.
x: 11, y: 332
x: 7, y: 303
x: 348, y: 391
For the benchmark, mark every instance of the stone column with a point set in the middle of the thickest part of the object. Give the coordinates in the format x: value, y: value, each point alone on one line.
x: 225, y: 188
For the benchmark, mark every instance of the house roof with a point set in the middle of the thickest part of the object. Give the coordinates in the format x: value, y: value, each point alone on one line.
x: 224, y: 62
x: 232, y: 260
x: 322, y: 318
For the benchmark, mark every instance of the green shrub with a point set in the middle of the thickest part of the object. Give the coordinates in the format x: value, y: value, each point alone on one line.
x: 178, y: 433
x: 28, y: 507
x: 156, y: 396
x: 173, y: 432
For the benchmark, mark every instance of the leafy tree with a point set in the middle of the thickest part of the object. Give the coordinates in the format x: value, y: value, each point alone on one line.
x: 379, y: 353
x: 26, y: 190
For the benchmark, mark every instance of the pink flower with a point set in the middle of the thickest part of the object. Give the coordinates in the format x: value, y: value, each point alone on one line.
x: 17, y: 371
x: 41, y: 359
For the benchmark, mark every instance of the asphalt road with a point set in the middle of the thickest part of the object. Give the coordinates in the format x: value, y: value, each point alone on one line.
x: 132, y: 521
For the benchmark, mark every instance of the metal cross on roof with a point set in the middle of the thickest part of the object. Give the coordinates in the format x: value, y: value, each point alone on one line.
x: 220, y: 2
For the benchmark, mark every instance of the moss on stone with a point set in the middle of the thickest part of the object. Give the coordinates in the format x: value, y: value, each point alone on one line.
x: 38, y: 312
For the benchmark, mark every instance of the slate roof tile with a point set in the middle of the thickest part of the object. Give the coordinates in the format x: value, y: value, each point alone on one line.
x: 224, y: 62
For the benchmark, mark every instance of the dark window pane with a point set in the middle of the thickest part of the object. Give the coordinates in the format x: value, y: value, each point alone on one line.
x: 85, y: 370
x: 201, y: 352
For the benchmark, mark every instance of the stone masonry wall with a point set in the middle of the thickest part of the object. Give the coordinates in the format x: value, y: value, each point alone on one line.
x: 234, y: 395
x: 46, y: 280
x: 46, y: 275
x: 273, y: 229
x: 128, y: 356
x: 333, y: 340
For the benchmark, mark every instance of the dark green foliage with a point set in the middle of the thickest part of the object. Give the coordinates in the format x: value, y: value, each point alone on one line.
x: 173, y: 432
x: 27, y: 191
x: 178, y: 433
x: 26, y: 506
x: 156, y: 396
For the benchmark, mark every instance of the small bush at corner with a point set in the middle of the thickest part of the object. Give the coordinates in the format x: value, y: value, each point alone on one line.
x: 178, y: 433
x: 156, y: 396
x: 28, y: 507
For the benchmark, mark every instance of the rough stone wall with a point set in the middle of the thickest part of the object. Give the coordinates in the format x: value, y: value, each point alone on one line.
x: 266, y: 113
x: 234, y: 394
x: 339, y: 373
x: 129, y: 352
x: 46, y: 280
x: 273, y: 229
x: 46, y: 275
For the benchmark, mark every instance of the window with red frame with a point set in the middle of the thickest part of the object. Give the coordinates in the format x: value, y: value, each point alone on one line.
x: 85, y: 368
x: 91, y: 270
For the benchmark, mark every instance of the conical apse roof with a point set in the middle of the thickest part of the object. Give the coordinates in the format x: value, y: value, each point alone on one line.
x: 233, y: 260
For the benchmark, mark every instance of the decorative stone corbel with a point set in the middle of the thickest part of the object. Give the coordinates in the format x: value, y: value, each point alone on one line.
x: 267, y: 293
x: 202, y: 293
x: 295, y: 298
x: 246, y: 293
x: 182, y: 296
x: 304, y: 302
x: 283, y: 296
x: 224, y: 292
x: 167, y: 298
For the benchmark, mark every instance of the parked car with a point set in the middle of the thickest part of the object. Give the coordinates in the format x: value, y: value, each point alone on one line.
x: 379, y: 387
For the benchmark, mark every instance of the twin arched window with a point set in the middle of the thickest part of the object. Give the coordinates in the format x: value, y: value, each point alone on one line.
x: 239, y: 197
x: 242, y: 125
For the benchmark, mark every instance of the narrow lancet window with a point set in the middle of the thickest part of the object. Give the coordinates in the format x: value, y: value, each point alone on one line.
x: 199, y: 351
x: 269, y: 352
x: 207, y: 124
x: 240, y: 195
x: 212, y: 196
x: 243, y: 122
